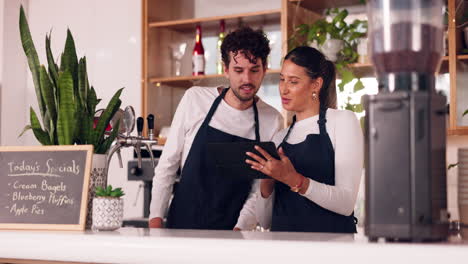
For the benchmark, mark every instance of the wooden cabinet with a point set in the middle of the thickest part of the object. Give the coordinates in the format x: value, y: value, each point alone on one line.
x: 167, y: 22
x: 458, y: 67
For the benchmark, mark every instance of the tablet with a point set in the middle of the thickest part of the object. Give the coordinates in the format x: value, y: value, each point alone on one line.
x: 229, y: 158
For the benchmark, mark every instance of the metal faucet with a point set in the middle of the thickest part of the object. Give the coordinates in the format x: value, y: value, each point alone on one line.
x: 137, y: 142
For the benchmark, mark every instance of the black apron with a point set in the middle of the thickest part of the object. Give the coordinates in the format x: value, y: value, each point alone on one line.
x: 314, y: 158
x: 203, y: 199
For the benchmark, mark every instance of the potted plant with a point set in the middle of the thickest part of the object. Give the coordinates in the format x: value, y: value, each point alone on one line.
x: 338, y: 40
x: 67, y: 105
x: 107, y: 208
x: 67, y: 102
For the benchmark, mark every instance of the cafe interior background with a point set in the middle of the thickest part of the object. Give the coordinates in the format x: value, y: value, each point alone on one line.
x: 110, y: 34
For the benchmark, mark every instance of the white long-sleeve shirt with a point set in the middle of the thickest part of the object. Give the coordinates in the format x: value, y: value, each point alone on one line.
x: 189, y: 116
x: 346, y: 136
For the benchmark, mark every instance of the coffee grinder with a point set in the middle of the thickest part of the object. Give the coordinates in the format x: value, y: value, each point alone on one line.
x: 405, y: 125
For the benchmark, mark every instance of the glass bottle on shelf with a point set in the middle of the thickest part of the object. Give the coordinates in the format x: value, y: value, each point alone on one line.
x: 198, y: 56
x: 219, y: 59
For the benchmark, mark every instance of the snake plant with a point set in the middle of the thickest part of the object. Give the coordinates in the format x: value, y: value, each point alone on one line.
x: 67, y: 102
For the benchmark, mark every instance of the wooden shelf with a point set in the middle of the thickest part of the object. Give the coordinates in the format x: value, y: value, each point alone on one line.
x: 459, y: 131
x: 265, y: 17
x: 363, y: 69
x: 367, y: 69
x: 187, y: 81
x: 459, y: 57
x: 360, y: 69
x: 322, y: 5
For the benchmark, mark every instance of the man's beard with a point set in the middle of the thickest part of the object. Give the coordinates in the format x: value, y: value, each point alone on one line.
x: 244, y: 99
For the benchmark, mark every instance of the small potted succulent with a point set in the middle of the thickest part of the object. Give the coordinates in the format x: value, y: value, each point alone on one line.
x: 107, y: 208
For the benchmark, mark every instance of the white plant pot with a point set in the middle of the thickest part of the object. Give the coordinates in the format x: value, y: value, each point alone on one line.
x: 107, y: 213
x: 362, y: 50
x: 98, y: 177
x: 331, y: 47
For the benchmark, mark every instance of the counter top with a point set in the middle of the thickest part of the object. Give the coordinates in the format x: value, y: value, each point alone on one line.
x: 138, y: 245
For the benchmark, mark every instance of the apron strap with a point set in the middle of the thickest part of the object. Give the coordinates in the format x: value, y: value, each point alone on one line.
x: 215, y: 105
x: 257, y: 123
x: 321, y: 122
x: 290, y: 128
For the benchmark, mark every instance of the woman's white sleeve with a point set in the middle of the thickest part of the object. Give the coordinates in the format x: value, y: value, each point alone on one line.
x: 264, y: 209
x: 247, y: 219
x: 349, y: 158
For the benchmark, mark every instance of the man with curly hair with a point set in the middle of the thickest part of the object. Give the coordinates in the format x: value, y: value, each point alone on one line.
x: 203, y: 199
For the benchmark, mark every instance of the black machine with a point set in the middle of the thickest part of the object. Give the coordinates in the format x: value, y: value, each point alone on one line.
x: 144, y: 174
x: 405, y: 127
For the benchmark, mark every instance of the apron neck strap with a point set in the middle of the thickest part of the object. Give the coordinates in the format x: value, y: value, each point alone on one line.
x: 216, y: 103
x: 290, y: 128
x: 321, y: 122
x: 257, y: 123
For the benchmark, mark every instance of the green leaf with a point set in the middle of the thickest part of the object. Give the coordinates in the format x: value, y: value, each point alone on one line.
x: 109, y: 192
x: 466, y: 112
x: 105, y: 117
x: 25, y: 129
x: 69, y: 60
x: 40, y: 134
x: 358, y: 108
x: 341, y: 86
x: 358, y: 86
x: 92, y: 101
x: 86, y: 130
x: 347, y: 76
x: 53, y: 132
x: 53, y: 69
x: 302, y: 29
x: 47, y: 91
x: 46, y: 121
x: 83, y: 83
x: 33, y: 59
x: 67, y: 110
x: 339, y: 18
x: 104, y: 147
x: 80, y: 120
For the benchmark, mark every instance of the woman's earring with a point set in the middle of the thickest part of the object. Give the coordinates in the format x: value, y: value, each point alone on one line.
x: 314, y: 96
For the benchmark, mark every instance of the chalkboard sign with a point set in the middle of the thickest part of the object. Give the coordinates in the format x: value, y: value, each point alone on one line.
x: 44, y: 187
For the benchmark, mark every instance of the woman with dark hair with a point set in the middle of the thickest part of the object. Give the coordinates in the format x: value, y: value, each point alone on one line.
x: 315, y: 182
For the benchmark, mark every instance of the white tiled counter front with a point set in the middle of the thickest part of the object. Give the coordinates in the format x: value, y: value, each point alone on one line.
x: 131, y: 245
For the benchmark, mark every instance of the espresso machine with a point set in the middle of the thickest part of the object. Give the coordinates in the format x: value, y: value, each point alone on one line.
x: 405, y: 125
